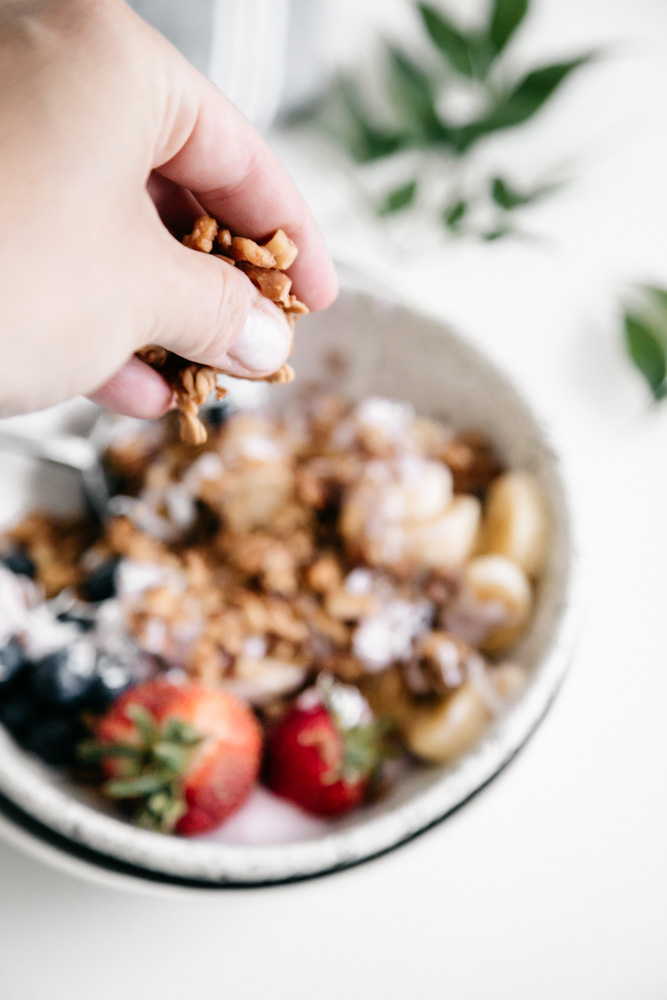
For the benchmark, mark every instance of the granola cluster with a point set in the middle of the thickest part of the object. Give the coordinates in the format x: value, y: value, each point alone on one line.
x: 361, y: 542
x: 265, y: 265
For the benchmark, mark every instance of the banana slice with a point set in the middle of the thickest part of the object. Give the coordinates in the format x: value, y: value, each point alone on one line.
x: 494, y: 603
x: 516, y: 522
x: 441, y: 733
x: 447, y: 541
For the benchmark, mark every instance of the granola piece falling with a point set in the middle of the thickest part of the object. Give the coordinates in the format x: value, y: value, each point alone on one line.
x: 192, y: 385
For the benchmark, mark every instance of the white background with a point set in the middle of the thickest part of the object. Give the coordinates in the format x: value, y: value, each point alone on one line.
x: 552, y: 882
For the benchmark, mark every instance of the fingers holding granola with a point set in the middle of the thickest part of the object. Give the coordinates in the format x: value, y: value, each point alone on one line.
x: 205, y: 309
x: 256, y: 352
x: 213, y: 152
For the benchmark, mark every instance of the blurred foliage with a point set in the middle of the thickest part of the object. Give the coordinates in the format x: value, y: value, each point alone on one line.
x: 645, y: 329
x: 415, y: 91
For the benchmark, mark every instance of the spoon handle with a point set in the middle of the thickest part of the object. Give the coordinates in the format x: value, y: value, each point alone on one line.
x: 68, y: 450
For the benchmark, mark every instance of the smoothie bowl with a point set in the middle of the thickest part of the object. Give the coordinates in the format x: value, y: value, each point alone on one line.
x: 297, y: 645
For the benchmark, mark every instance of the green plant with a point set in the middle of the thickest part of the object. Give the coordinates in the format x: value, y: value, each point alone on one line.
x: 645, y: 331
x: 416, y: 117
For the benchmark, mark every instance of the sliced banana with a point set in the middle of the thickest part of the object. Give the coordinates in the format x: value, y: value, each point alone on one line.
x: 441, y: 733
x: 403, y: 513
x: 449, y: 540
x: 516, y: 521
x: 259, y: 681
x: 493, y: 605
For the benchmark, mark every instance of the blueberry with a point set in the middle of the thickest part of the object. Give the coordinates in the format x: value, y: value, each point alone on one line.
x: 12, y: 659
x: 101, y: 584
x: 18, y: 561
x: 113, y: 677
x: 217, y: 414
x: 65, y: 678
x: 54, y: 738
x: 18, y: 712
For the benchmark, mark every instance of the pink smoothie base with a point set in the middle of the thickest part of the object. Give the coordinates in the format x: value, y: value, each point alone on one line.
x: 264, y: 819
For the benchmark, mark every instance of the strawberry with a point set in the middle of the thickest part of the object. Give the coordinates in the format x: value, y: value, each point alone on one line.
x: 185, y: 754
x: 325, y: 753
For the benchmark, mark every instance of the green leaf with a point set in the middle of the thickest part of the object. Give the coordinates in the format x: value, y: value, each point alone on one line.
x: 497, y: 234
x: 647, y: 352
x: 658, y: 297
x: 161, y: 811
x: 399, y: 198
x: 454, y: 45
x: 524, y: 101
x: 170, y: 758
x: 181, y: 732
x: 414, y: 93
x: 92, y: 751
x: 368, y: 141
x: 453, y: 214
x: 507, y: 196
x: 144, y: 722
x: 506, y: 16
x: 134, y: 788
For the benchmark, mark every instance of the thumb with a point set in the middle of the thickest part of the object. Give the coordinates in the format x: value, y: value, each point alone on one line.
x: 208, y: 311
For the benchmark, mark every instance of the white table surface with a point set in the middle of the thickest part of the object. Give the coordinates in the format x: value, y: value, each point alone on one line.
x: 552, y: 882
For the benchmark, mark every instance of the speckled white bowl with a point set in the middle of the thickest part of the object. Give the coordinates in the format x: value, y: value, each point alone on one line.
x: 363, y: 345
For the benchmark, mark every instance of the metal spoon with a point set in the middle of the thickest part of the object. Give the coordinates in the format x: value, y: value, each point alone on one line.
x: 69, y: 451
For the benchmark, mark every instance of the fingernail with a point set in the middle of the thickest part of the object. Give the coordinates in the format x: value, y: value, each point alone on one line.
x: 263, y: 343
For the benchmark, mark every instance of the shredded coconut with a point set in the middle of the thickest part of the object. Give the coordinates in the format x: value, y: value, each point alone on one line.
x: 383, y: 638
x: 359, y: 582
x: 254, y: 647
x: 134, y: 578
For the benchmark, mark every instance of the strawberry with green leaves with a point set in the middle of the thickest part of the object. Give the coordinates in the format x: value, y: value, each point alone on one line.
x: 325, y: 754
x: 185, y: 755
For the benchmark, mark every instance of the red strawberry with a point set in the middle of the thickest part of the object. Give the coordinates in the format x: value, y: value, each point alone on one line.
x: 320, y: 763
x: 187, y: 754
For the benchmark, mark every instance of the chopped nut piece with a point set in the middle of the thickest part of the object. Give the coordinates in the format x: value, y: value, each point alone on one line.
x: 153, y: 355
x: 282, y: 376
x: 472, y: 461
x: 273, y: 284
x: 203, y: 234
x: 224, y: 238
x: 283, y: 249
x: 349, y: 607
x: 324, y: 575
x: 295, y: 306
x: 247, y: 250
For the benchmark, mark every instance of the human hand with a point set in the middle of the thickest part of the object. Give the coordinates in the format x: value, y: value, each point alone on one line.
x: 107, y: 137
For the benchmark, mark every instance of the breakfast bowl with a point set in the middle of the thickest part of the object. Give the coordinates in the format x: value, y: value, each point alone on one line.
x: 365, y: 346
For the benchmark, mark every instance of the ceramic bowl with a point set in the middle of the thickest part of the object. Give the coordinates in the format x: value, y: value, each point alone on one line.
x: 363, y: 345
